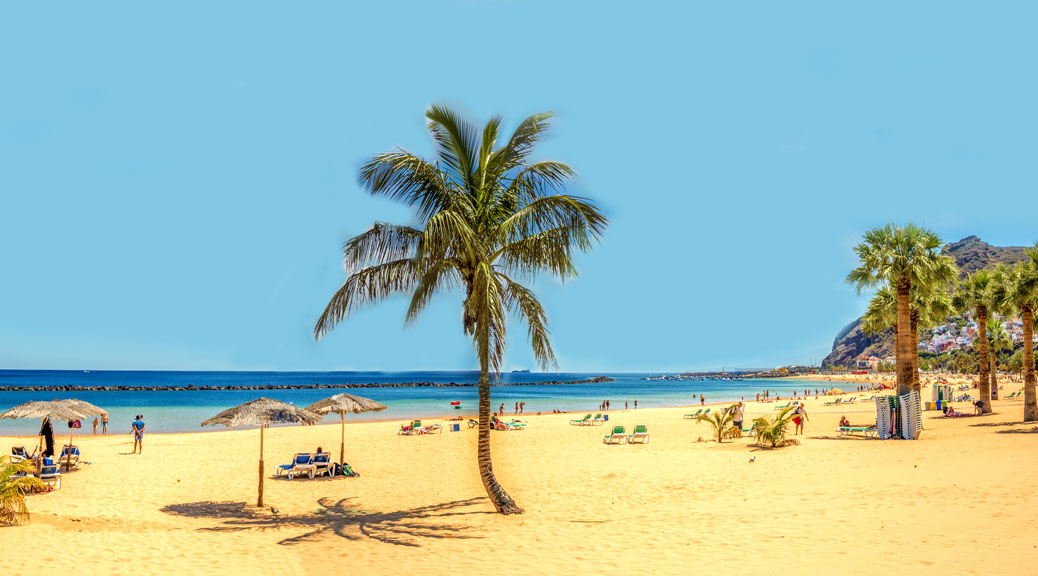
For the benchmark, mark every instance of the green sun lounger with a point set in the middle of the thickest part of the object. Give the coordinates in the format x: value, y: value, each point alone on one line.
x: 866, y: 431
x: 693, y: 416
x: 641, y: 435
x: 581, y: 422
x: 617, y: 437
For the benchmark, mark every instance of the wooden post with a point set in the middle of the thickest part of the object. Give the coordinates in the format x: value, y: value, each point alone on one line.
x: 342, y: 444
x: 68, y: 459
x: 259, y: 501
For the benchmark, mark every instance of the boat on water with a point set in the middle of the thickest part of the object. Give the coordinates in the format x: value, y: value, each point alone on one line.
x: 520, y: 371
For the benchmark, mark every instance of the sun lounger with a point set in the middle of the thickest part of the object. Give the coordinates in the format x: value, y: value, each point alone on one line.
x: 74, y: 460
x: 323, y: 464
x: 597, y: 420
x: 581, y: 422
x: 750, y: 429
x: 51, y: 475
x: 783, y: 407
x: 852, y: 400
x: 641, y: 434
x: 617, y: 437
x: 473, y: 423
x: 302, y: 463
x: 18, y: 454
x: 693, y: 416
x: 830, y: 403
x: 867, y: 431
x: 434, y: 429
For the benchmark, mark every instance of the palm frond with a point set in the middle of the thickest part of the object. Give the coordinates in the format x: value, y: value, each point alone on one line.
x: 13, y: 489
x: 486, y: 305
x: 522, y: 301
x: 382, y: 243
x: 367, y: 286
x: 456, y: 141
x: 437, y: 276
x: 520, y: 145
x: 406, y: 178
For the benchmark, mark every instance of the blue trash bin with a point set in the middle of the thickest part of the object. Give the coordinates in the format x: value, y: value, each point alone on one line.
x: 455, y: 427
x: 605, y: 417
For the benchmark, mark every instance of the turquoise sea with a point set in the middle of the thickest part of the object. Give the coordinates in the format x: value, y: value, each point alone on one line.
x: 184, y: 410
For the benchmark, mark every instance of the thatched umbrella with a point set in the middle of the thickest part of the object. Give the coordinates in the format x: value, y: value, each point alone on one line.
x: 341, y: 404
x: 262, y: 412
x: 70, y: 409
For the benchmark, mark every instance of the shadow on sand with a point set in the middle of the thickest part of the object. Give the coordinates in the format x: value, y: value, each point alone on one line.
x: 337, y: 518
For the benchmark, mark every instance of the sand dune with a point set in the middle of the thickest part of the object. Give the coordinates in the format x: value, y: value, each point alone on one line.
x: 959, y: 500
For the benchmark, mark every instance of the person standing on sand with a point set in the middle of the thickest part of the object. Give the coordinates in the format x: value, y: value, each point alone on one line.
x: 607, y: 404
x: 522, y: 406
x: 138, y: 434
x: 799, y: 417
x: 737, y: 418
x: 104, y: 424
x: 47, y: 431
x: 635, y: 403
x: 95, y: 425
x: 625, y: 404
x: 516, y: 408
x: 702, y: 400
x: 501, y: 410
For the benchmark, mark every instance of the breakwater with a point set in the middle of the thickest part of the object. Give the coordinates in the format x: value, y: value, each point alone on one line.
x: 208, y: 387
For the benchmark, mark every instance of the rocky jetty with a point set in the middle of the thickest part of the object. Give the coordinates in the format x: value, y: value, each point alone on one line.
x: 193, y: 388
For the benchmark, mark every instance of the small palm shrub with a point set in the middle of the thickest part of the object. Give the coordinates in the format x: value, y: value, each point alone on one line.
x: 722, y: 423
x: 13, y: 489
x: 771, y: 432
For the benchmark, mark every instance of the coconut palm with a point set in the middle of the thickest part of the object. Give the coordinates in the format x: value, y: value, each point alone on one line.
x: 1018, y: 292
x: 901, y: 257
x: 974, y: 295
x: 771, y: 432
x: 13, y: 489
x: 484, y: 216
x: 998, y: 341
x: 723, y: 423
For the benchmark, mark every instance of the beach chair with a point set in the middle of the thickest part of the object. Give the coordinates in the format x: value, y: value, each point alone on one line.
x: 867, y: 431
x: 693, y: 416
x: 641, y: 435
x: 473, y: 423
x: 706, y: 412
x: 750, y: 429
x: 323, y: 464
x: 50, y: 474
x: 852, y: 400
x: 302, y: 463
x: 830, y: 403
x: 617, y: 437
x: 18, y: 454
x: 581, y: 422
x: 74, y: 460
x: 597, y: 420
x: 434, y: 429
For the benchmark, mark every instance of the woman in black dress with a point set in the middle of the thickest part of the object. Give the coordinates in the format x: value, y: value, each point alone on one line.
x: 47, y: 431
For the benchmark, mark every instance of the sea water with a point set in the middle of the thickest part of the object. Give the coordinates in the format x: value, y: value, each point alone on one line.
x: 184, y: 410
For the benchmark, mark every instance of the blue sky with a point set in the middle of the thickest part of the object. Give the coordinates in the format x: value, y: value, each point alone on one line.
x: 176, y: 180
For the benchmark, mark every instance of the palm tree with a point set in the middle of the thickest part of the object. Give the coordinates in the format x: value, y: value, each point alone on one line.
x: 901, y: 257
x: 974, y: 296
x: 771, y: 432
x: 929, y: 307
x: 998, y: 341
x: 723, y: 423
x: 483, y: 216
x: 13, y: 489
x: 1018, y: 292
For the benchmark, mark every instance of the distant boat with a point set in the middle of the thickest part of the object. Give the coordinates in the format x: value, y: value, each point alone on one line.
x: 520, y: 371
x: 86, y: 371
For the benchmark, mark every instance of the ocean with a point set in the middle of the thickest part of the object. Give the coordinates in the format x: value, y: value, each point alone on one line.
x: 184, y: 410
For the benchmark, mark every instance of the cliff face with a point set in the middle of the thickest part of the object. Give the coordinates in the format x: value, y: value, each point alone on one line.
x: 970, y: 254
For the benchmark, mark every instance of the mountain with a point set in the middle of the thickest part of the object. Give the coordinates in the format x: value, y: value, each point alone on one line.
x: 970, y: 254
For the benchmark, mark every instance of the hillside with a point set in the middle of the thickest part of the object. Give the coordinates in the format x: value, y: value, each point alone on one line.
x: 970, y: 254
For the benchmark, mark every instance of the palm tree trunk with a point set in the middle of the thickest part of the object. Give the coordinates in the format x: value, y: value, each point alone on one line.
x: 994, y: 372
x: 904, y: 342
x: 916, y: 385
x: 501, y: 500
x: 982, y: 345
x: 1030, y: 394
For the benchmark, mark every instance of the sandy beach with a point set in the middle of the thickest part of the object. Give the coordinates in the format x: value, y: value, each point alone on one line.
x: 959, y: 500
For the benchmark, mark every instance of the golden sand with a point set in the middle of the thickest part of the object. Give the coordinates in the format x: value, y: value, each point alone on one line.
x: 960, y: 500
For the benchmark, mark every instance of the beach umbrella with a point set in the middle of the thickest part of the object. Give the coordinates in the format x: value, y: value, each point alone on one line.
x: 834, y: 392
x: 69, y: 409
x: 341, y: 404
x: 262, y: 412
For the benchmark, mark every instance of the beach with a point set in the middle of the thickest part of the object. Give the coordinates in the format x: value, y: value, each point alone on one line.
x: 958, y: 500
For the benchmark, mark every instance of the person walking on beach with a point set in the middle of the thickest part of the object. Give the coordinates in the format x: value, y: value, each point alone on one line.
x: 635, y: 403
x: 799, y: 417
x: 607, y: 404
x: 104, y: 424
x: 702, y: 400
x: 95, y: 425
x: 737, y: 417
x: 625, y: 404
x: 501, y: 410
x: 516, y: 408
x: 522, y: 406
x: 138, y: 434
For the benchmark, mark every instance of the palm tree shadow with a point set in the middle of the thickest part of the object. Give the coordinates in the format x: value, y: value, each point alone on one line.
x: 338, y: 518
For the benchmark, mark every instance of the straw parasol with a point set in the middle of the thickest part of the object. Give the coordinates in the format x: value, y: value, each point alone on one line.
x: 69, y: 409
x: 262, y: 412
x: 834, y: 392
x: 341, y: 404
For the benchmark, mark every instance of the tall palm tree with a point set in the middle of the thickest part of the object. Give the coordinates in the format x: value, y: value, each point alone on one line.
x: 998, y: 341
x: 928, y: 307
x: 1019, y: 292
x: 974, y: 295
x: 484, y: 215
x: 901, y: 257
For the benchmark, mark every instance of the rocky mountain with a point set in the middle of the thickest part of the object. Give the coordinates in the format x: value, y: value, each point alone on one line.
x: 970, y: 254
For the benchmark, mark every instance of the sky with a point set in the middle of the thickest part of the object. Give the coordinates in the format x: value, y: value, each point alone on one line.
x: 177, y: 179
